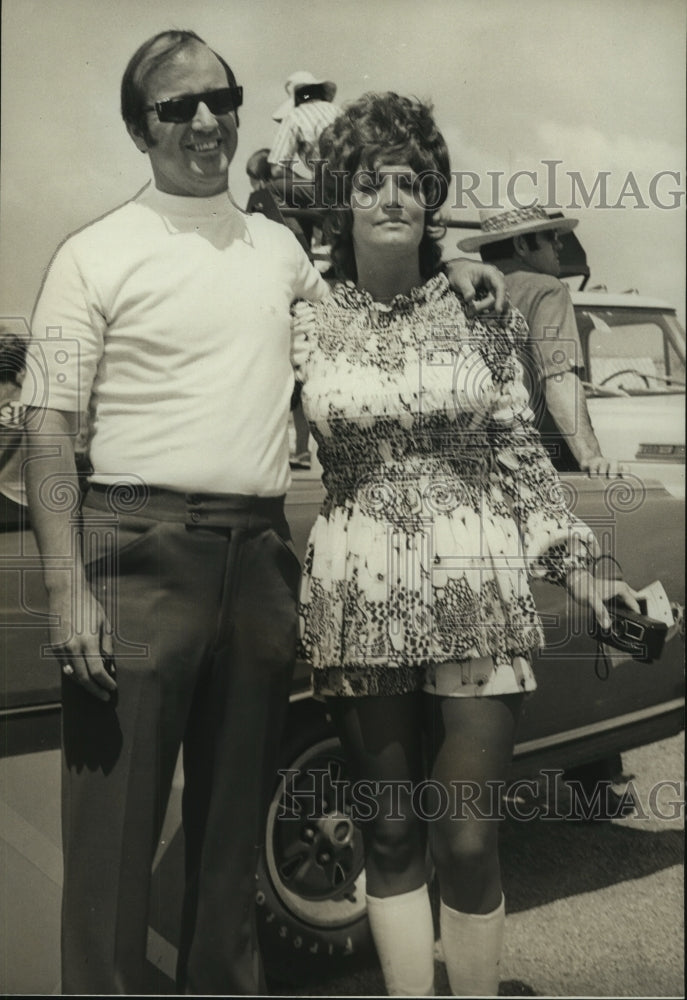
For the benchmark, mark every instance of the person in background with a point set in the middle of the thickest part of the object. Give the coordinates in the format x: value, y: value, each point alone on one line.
x: 258, y: 169
x: 259, y: 173
x: 306, y: 112
x: 524, y: 243
x: 416, y: 613
x: 301, y: 118
x: 13, y: 512
x: 300, y: 457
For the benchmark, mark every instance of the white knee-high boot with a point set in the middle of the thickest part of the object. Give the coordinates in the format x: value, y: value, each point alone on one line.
x: 472, y: 945
x: 403, y: 933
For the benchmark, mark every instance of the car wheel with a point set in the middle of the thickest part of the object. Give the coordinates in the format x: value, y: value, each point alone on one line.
x: 311, y: 877
x: 605, y: 790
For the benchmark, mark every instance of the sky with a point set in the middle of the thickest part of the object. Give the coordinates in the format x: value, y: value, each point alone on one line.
x: 597, y: 85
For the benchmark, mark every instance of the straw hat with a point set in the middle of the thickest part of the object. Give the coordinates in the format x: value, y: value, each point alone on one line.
x: 302, y: 78
x: 502, y: 224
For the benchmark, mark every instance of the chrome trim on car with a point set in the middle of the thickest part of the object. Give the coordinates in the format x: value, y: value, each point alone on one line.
x: 529, y: 746
x: 51, y: 706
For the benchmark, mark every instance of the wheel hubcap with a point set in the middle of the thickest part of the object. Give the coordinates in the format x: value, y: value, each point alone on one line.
x: 314, y: 850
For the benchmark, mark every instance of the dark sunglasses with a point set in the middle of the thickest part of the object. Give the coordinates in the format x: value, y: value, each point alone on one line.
x: 182, y: 109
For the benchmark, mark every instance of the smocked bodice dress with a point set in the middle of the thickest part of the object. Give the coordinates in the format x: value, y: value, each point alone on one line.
x: 440, y: 500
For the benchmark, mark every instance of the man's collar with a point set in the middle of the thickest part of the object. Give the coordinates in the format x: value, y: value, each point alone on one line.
x: 509, y: 265
x: 190, y: 207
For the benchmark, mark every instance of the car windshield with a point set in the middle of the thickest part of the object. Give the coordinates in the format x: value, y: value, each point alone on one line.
x: 631, y: 351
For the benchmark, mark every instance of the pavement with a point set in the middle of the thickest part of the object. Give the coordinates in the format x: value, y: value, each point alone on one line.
x: 594, y: 909
x: 31, y: 880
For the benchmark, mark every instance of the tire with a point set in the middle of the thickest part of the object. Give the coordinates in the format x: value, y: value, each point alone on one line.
x: 602, y: 788
x: 310, y: 897
x: 605, y: 769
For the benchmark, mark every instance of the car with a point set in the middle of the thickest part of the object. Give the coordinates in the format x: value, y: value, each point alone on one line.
x: 634, y: 355
x: 310, y: 888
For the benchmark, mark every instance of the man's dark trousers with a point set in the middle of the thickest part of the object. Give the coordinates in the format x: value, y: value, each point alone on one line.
x: 201, y: 592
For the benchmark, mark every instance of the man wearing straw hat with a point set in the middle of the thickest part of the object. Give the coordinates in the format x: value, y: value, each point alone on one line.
x: 524, y: 243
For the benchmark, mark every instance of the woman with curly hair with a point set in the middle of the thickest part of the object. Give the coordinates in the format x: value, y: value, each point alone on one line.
x: 416, y: 613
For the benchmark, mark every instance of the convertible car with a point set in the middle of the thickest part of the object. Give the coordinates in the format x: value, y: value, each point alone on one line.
x: 310, y: 885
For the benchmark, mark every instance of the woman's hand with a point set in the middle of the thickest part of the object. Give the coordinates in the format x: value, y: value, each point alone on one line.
x: 592, y: 592
x: 467, y: 277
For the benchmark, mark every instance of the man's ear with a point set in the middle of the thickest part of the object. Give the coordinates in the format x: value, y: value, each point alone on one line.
x: 520, y: 246
x: 138, y: 137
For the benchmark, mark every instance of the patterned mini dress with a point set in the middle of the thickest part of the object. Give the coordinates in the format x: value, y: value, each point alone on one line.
x: 440, y: 501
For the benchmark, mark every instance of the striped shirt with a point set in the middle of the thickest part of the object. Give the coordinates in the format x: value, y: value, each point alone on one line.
x: 296, y: 138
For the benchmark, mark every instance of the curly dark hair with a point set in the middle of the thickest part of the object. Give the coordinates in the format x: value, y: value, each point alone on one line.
x: 382, y: 129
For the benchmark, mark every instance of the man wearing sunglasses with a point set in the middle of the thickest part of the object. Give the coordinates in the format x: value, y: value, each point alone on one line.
x: 173, y: 585
x: 525, y: 243
x: 301, y: 119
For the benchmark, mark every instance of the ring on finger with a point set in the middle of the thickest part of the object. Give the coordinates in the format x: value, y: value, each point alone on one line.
x: 68, y: 670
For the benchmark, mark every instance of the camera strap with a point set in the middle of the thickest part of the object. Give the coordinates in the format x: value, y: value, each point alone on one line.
x: 602, y: 663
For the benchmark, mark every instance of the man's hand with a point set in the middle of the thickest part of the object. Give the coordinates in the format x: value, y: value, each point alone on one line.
x: 82, y: 640
x: 597, y: 465
x: 593, y: 592
x: 300, y: 349
x: 80, y: 635
x: 481, y: 285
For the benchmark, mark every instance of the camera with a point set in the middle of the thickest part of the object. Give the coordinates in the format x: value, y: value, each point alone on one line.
x: 641, y: 636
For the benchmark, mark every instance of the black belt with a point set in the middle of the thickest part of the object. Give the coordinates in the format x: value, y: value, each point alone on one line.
x: 216, y: 510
